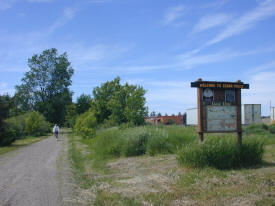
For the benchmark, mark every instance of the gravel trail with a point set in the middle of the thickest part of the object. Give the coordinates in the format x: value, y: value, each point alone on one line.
x: 29, y: 175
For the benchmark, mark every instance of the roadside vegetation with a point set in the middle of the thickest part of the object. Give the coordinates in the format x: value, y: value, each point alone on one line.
x: 15, y: 127
x: 39, y: 101
x: 166, y: 165
x: 18, y: 143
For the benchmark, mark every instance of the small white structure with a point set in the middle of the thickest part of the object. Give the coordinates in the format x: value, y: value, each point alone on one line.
x: 192, y: 116
x: 272, y: 114
x: 251, y: 113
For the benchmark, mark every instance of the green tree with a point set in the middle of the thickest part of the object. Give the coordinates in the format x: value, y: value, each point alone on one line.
x: 85, y: 124
x: 45, y: 87
x: 6, y: 138
x: 135, y: 110
x: 71, y: 115
x: 35, y: 124
x: 102, y: 96
x: 153, y: 114
x: 119, y: 103
x: 83, y: 103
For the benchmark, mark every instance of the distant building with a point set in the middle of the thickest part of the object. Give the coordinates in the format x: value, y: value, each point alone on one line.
x: 272, y: 114
x: 192, y: 116
x: 179, y: 120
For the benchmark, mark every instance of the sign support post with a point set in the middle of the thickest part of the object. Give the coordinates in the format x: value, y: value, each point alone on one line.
x: 239, y: 114
x: 200, y: 112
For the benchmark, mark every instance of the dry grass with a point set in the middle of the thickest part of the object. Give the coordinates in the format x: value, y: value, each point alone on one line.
x: 160, y: 181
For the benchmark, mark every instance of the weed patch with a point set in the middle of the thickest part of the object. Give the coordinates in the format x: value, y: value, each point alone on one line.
x: 222, y: 153
x: 114, y: 199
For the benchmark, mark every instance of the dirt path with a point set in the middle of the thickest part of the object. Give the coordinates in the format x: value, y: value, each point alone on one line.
x: 30, y: 176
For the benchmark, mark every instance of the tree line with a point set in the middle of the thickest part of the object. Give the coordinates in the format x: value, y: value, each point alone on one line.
x: 44, y: 98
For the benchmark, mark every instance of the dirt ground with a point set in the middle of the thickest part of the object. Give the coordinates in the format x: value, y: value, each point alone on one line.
x: 161, y: 181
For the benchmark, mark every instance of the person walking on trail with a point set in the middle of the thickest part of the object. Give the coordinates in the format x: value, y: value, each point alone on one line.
x: 56, y: 131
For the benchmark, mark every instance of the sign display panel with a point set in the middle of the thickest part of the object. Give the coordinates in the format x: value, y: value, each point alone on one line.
x: 230, y: 96
x: 221, y: 118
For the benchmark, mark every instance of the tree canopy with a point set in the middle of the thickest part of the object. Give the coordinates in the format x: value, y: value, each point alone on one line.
x: 119, y: 103
x: 5, y: 107
x: 45, y: 87
x: 83, y: 103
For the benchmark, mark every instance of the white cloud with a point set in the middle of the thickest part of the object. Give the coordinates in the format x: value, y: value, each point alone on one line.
x: 4, y: 89
x: 136, y: 69
x: 6, y: 4
x: 215, y: 5
x: 170, y: 96
x: 39, y: 1
x: 263, y: 67
x: 192, y: 59
x: 262, y: 90
x: 98, y: 1
x: 210, y: 21
x: 172, y: 14
x: 246, y: 21
x: 69, y: 13
x: 84, y: 56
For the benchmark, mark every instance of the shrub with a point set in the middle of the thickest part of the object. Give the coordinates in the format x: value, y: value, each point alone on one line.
x: 85, y: 125
x: 256, y: 129
x: 107, y: 144
x: 126, y: 125
x: 171, y: 122
x: 178, y: 136
x: 32, y: 123
x: 222, y: 153
x: 135, y: 140
x: 6, y: 135
x: 16, y: 126
x: 35, y: 124
x: 272, y: 129
x: 157, y: 142
x: 144, y: 140
x: 251, y: 153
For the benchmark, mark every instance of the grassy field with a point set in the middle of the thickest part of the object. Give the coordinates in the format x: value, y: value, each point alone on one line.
x: 109, y: 175
x: 20, y: 143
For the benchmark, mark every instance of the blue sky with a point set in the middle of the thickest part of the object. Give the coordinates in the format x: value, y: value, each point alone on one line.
x: 161, y: 45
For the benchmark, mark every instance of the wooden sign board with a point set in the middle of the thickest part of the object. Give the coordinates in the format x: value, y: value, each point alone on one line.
x: 221, y: 119
x: 219, y: 106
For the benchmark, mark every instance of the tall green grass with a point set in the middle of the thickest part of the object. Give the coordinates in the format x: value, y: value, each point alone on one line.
x: 178, y: 136
x: 216, y: 151
x: 113, y: 142
x: 222, y: 153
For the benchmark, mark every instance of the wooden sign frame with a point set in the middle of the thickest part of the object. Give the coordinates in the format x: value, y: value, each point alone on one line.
x: 219, y: 95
